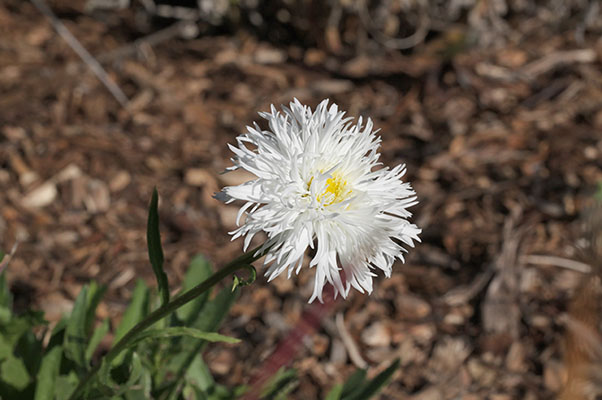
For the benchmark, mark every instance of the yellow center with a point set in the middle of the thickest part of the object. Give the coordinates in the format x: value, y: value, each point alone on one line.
x: 335, y: 192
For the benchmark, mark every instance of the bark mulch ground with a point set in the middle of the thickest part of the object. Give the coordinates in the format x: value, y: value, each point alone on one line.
x: 502, y: 142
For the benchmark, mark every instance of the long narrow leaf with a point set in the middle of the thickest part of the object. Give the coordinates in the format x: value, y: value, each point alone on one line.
x: 199, y: 374
x: 198, y: 271
x: 353, y: 383
x: 155, y: 251
x: 65, y: 385
x: 209, y: 320
x: 97, y: 336
x: 376, y: 384
x: 335, y: 392
x: 75, y: 334
x: 280, y: 384
x: 6, y: 298
x: 135, y: 370
x: 135, y: 312
x: 216, y: 310
x: 178, y: 331
x: 182, y: 331
x: 95, y: 293
x: 49, y: 371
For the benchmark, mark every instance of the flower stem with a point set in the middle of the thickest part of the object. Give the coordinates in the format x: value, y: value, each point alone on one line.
x: 161, y: 312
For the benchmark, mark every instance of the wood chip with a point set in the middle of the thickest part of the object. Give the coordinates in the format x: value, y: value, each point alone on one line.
x: 41, y: 196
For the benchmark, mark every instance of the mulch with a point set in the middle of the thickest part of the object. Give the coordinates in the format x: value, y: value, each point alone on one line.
x: 502, y: 144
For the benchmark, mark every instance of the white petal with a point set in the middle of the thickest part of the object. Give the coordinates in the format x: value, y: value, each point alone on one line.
x: 320, y: 185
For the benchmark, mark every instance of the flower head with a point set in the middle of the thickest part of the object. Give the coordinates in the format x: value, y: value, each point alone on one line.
x: 318, y: 186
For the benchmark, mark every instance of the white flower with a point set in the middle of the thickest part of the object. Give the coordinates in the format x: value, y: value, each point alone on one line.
x: 317, y: 187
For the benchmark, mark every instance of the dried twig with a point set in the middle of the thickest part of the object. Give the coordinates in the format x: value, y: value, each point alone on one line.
x: 155, y: 38
x: 177, y: 12
x: 90, y: 61
x: 463, y: 294
x: 352, y: 350
x: 332, y: 36
x: 9, y: 256
x: 536, y: 259
x: 501, y: 313
x: 556, y: 60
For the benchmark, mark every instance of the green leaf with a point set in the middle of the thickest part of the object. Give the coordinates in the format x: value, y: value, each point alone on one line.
x: 48, y: 373
x: 142, y: 390
x: 198, y: 271
x: 95, y: 293
x: 5, y: 348
x: 104, y: 374
x: 57, y: 336
x: 198, y: 374
x: 280, y: 385
x: 239, y: 282
x: 29, y: 349
x: 216, y: 310
x: 135, y: 312
x: 193, y: 392
x: 75, y: 334
x: 376, y: 384
x: 209, y: 320
x: 1, y: 255
x: 65, y: 385
x: 97, y: 336
x: 14, y: 328
x: 597, y: 195
x: 14, y: 373
x: 5, y: 316
x: 221, y: 392
x: 119, y: 372
x: 181, y: 331
x: 6, y: 298
x: 135, y: 372
x: 353, y: 383
x: 335, y: 393
x: 155, y: 252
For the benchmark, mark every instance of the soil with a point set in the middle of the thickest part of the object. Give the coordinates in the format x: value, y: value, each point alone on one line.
x: 501, y: 135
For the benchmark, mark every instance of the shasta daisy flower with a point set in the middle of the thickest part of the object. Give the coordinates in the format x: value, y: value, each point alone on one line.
x: 319, y: 186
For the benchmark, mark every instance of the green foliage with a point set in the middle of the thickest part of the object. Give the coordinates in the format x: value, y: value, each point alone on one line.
x: 161, y: 363
x: 358, y: 388
x: 134, y: 313
x: 19, y: 348
x: 75, y: 334
x: 199, y: 270
x: 155, y: 251
x: 97, y: 335
x: 186, y: 351
x: 353, y: 383
x: 598, y: 194
x: 280, y: 385
x: 14, y: 372
x: 335, y: 393
x: 238, y: 282
x: 48, y: 373
x: 161, y: 358
x: 181, y: 331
